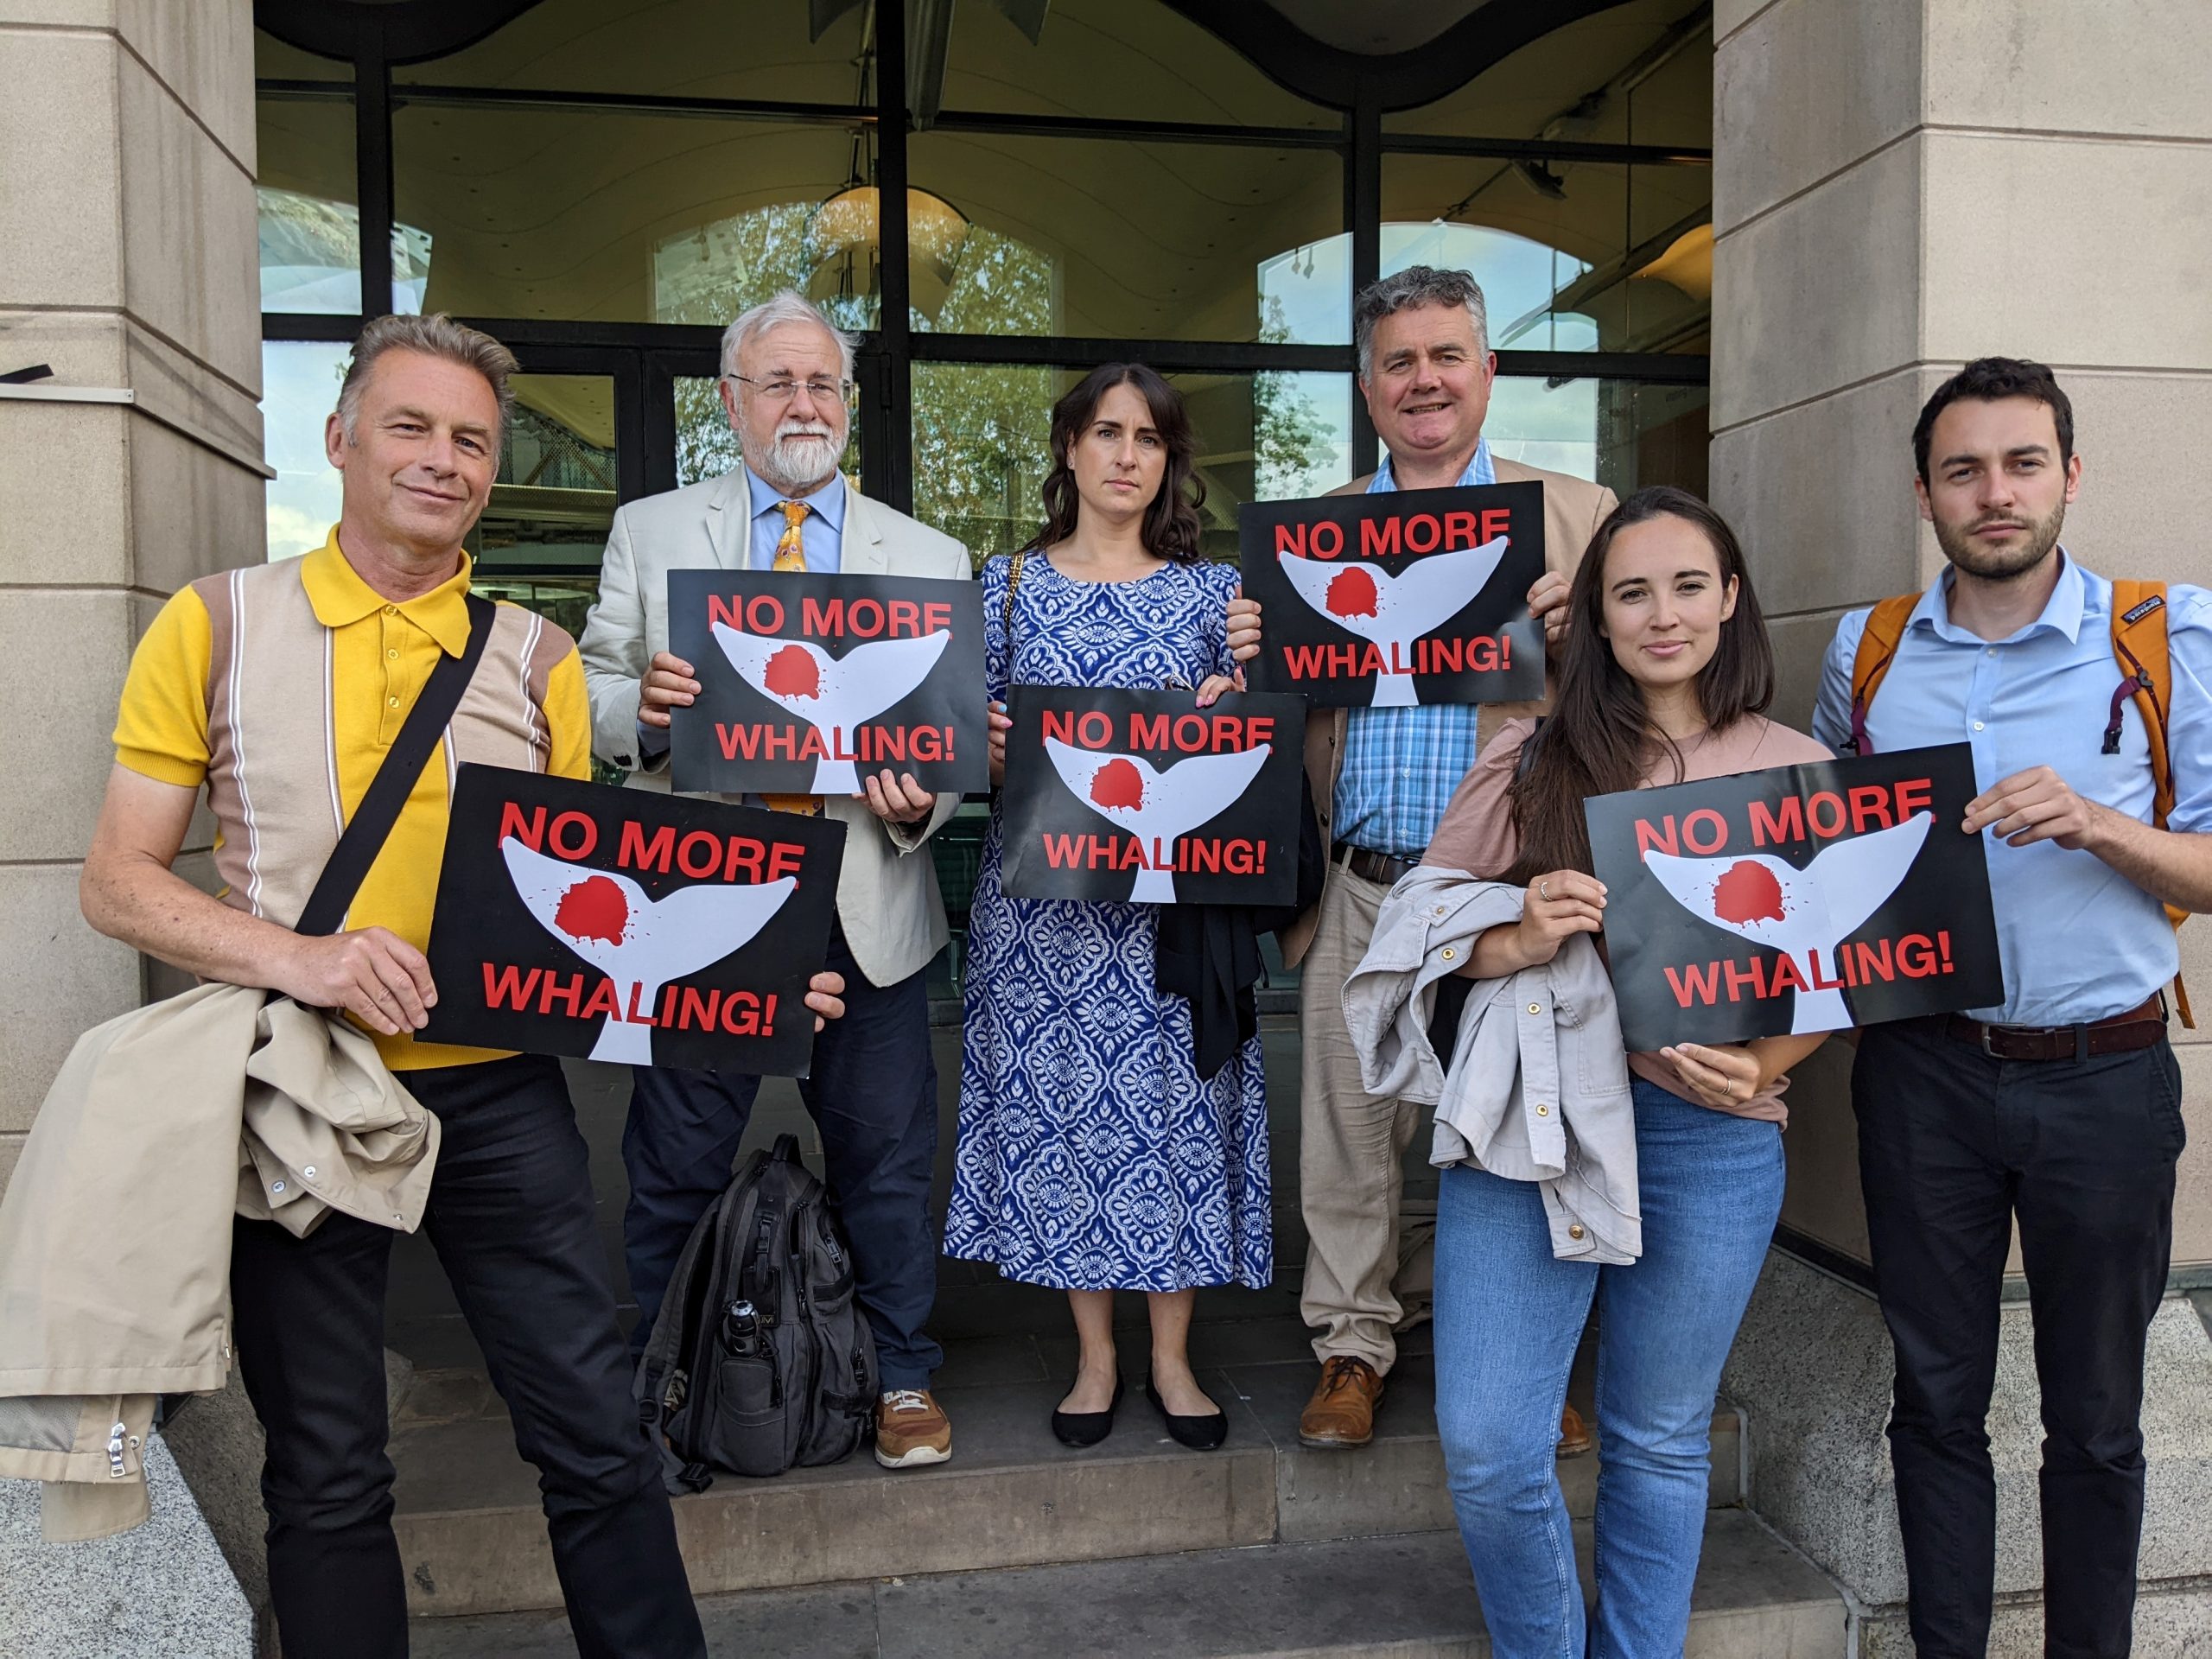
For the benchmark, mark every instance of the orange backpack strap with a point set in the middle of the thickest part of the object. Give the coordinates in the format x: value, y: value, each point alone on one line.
x: 1877, y: 648
x: 2146, y: 672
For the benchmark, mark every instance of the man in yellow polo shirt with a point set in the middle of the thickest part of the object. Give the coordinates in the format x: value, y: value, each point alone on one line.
x: 280, y: 688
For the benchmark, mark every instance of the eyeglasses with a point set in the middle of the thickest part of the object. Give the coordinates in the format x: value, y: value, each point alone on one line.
x: 782, y: 388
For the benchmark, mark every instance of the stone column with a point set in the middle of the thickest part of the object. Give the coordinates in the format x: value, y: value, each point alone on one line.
x: 1900, y: 186
x: 127, y: 264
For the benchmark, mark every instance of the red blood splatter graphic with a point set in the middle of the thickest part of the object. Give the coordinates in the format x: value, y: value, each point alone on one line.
x: 791, y: 673
x: 593, y: 909
x: 1117, y: 783
x: 1352, y: 594
x: 1747, y: 893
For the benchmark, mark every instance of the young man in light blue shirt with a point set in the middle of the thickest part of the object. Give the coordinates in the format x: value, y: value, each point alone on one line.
x: 2059, y: 1108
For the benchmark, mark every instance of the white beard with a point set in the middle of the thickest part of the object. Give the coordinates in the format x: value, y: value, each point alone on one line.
x: 803, y: 458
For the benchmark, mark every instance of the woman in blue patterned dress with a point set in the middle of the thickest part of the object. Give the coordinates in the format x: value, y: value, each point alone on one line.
x: 1093, y: 1157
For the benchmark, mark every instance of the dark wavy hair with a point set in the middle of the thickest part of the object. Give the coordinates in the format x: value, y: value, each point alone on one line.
x: 1598, y: 739
x: 1170, y: 522
x: 1986, y: 379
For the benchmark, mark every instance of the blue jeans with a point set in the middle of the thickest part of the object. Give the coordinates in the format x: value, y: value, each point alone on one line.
x: 1508, y: 1318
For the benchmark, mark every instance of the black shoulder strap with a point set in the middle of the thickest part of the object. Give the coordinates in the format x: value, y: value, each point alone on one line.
x: 410, y: 752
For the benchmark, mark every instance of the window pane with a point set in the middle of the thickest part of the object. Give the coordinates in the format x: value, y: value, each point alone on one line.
x: 1574, y: 256
x: 620, y: 218
x: 299, y: 388
x: 1595, y: 81
x: 553, y: 500
x: 1134, y: 60
x: 311, y: 228
x: 1622, y: 434
x: 674, y: 48
x: 705, y: 446
x: 981, y: 446
x: 1140, y: 240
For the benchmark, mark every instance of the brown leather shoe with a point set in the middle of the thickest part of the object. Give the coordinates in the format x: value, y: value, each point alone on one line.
x: 911, y: 1428
x: 1573, y: 1433
x: 1342, y: 1411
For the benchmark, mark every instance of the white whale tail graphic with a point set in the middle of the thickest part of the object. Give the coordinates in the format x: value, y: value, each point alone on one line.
x: 1156, y: 807
x: 1395, y: 611
x: 833, y: 695
x: 637, y: 943
x: 1802, y: 912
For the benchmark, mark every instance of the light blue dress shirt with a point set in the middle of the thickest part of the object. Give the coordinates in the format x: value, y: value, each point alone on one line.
x: 822, y: 535
x: 1401, y: 765
x: 2080, y: 941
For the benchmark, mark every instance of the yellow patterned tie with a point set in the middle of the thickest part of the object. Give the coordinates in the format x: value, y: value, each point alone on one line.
x: 791, y: 554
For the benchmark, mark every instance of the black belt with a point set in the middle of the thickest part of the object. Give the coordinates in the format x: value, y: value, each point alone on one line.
x: 1371, y: 866
x: 2122, y: 1034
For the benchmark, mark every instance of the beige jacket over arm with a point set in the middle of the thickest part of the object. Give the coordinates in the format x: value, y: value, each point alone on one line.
x: 1574, y: 508
x: 887, y: 900
x: 115, y: 1233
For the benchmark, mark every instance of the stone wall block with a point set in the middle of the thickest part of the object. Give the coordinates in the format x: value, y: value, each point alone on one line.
x: 58, y: 173
x: 2024, y: 251
x: 61, y: 979
x: 1820, y: 294
x: 1829, y: 485
x: 190, y: 237
x: 64, y: 497
x: 1788, y: 58
x: 2141, y: 68
x: 199, y: 52
x: 67, y: 652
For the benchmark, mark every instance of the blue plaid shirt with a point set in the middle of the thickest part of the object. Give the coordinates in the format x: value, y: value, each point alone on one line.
x: 1401, y: 765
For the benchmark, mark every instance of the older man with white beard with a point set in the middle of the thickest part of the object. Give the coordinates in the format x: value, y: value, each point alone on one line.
x: 786, y: 380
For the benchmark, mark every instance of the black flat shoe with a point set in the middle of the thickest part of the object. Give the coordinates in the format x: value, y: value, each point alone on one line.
x: 1081, y: 1428
x: 1199, y: 1434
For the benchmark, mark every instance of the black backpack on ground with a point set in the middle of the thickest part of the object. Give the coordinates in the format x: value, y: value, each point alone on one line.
x: 761, y: 1358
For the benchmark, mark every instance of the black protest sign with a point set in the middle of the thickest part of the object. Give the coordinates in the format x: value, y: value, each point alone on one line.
x: 1801, y: 899
x: 807, y: 682
x: 1143, y: 795
x: 1410, y: 596
x: 626, y: 925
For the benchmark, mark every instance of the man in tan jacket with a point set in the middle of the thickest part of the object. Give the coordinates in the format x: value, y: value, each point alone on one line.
x: 1381, y: 779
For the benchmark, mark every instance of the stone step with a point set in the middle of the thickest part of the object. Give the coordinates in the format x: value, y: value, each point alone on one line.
x: 473, y: 1538
x: 1406, y: 1597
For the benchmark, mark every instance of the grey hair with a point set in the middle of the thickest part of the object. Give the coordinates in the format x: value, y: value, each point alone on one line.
x: 1401, y: 291
x: 788, y: 306
x: 438, y: 336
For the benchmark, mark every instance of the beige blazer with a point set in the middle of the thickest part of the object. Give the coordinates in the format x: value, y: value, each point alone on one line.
x: 888, y: 899
x: 1574, y: 508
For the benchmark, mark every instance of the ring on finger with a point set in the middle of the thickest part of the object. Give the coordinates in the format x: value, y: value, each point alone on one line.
x: 1544, y: 891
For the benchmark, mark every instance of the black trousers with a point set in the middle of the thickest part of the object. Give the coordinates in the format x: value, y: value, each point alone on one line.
x: 1953, y: 1146
x: 874, y: 1095
x: 510, y: 1216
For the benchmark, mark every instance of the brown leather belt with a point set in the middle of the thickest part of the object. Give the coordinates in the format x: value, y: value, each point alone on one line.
x: 1371, y: 866
x: 2139, y: 1028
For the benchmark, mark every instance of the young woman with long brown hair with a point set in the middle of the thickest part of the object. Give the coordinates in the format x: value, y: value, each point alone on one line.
x: 1664, y: 673
x: 1093, y: 1156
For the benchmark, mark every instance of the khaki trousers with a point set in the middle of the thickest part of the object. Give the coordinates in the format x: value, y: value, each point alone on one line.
x: 1368, y: 1274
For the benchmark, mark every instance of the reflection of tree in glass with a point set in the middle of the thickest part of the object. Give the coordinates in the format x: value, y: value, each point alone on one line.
x: 981, y: 431
x: 1292, y: 441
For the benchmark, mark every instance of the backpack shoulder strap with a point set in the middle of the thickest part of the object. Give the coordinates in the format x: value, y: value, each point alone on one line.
x: 2146, y: 676
x: 2138, y: 645
x: 1877, y: 648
